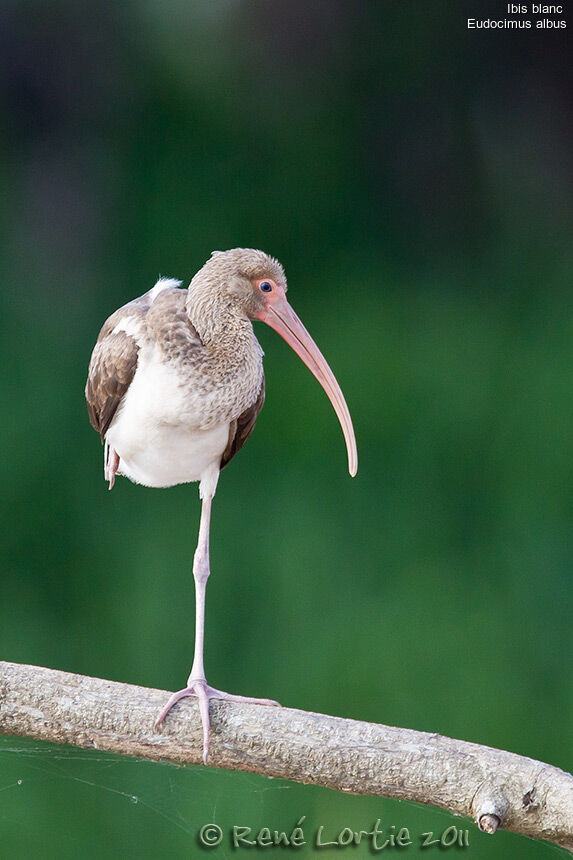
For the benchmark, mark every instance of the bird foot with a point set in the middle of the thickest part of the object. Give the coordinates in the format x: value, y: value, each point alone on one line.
x: 203, y: 691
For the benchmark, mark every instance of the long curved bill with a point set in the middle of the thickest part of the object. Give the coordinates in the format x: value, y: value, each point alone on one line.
x: 280, y: 316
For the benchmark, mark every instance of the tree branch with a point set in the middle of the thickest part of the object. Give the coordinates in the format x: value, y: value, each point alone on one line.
x: 497, y: 789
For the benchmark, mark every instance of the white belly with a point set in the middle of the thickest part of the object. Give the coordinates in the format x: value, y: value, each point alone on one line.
x: 167, y: 455
x: 157, y: 434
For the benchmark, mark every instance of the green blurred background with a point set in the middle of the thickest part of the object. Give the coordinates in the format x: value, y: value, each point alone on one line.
x: 414, y: 178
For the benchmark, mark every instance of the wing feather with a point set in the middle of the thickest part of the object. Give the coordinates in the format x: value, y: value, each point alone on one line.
x: 113, y: 364
x: 242, y: 428
x: 112, y: 368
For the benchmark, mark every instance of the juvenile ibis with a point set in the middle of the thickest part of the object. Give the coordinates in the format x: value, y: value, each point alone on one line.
x: 174, y: 388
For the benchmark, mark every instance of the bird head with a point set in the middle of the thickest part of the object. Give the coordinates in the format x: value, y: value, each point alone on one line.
x: 254, y: 285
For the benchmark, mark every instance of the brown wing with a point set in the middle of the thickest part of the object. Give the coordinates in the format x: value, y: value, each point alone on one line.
x: 242, y: 428
x: 112, y: 366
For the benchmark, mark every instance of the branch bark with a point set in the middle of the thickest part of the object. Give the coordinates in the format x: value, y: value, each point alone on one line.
x: 497, y: 789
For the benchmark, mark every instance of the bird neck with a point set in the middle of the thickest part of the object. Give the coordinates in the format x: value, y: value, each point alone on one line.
x: 221, y: 325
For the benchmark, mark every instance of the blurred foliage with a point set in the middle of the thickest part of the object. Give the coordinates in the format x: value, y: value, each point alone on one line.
x: 414, y: 178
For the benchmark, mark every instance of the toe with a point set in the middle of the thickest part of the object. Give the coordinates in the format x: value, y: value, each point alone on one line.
x: 176, y: 697
x: 203, y: 699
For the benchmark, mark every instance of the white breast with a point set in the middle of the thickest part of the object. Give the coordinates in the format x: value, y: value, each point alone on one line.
x: 158, y: 431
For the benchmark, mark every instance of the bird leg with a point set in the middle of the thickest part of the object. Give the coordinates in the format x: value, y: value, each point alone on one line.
x: 111, y: 461
x: 197, y: 683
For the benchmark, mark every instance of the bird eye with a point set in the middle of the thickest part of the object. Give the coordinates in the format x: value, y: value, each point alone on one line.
x: 266, y: 286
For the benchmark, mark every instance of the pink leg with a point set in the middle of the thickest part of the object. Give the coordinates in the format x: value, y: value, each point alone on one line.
x: 111, y: 465
x: 196, y: 683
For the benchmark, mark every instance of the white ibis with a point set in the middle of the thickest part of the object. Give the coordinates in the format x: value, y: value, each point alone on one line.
x: 174, y: 388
